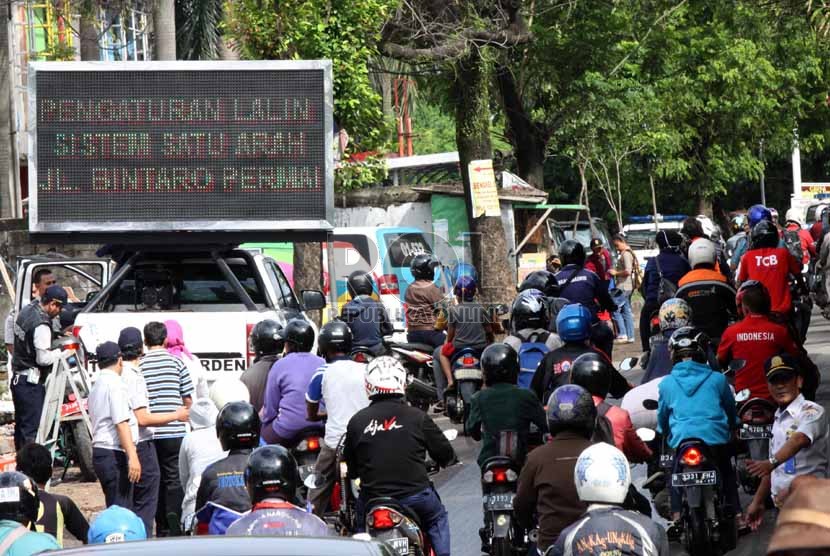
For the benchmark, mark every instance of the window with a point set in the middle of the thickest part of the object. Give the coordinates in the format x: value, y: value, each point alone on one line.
x: 125, y: 35
x: 80, y: 280
x: 286, y: 299
x: 45, y: 34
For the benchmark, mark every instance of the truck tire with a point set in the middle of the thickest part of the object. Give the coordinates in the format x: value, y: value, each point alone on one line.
x: 82, y: 441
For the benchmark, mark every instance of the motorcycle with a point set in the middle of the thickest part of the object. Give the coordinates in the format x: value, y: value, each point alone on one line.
x: 756, y: 416
x: 501, y: 533
x: 361, y: 354
x: 306, y: 452
x: 417, y: 360
x: 467, y: 374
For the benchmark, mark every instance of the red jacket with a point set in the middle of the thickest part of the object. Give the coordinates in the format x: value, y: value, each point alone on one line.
x: 772, y: 267
x: 600, y: 264
x: 625, y: 437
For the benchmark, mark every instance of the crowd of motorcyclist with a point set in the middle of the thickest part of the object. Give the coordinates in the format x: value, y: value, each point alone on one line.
x: 721, y: 323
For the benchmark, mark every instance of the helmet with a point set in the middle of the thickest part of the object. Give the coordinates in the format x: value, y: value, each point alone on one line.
x: 271, y: 472
x: 385, y: 376
x: 573, y: 323
x: 541, y: 280
x: 465, y: 288
x: 335, y: 334
x: 592, y: 372
x: 764, y: 302
x: 736, y: 223
x: 237, y: 426
x: 529, y: 311
x: 571, y: 407
x: 572, y: 252
x: 793, y: 215
x: 19, y: 501
x: 757, y: 213
x: 423, y: 267
x: 674, y: 313
x: 702, y: 251
x: 688, y: 342
x: 228, y: 389
x: 602, y: 475
x: 360, y: 283
x: 266, y: 337
x: 299, y: 333
x: 116, y: 524
x: 500, y: 363
x: 764, y: 234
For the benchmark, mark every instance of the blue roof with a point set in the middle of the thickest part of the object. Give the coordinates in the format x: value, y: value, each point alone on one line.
x: 660, y: 218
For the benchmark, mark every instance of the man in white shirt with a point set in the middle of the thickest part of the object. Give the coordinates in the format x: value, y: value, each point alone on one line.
x: 114, y: 430
x: 800, y: 438
x: 340, y: 386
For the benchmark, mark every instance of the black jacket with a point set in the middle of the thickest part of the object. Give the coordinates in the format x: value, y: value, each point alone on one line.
x: 712, y: 303
x: 368, y: 321
x: 25, y: 355
x: 386, y: 447
x: 223, y: 483
x: 555, y: 370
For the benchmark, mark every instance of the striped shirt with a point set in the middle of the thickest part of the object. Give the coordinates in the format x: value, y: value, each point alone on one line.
x: 168, y: 381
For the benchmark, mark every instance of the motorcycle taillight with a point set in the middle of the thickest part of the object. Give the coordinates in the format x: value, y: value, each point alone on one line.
x: 499, y: 475
x: 309, y: 445
x: 360, y: 358
x: 468, y: 361
x: 692, y: 457
x: 383, y: 518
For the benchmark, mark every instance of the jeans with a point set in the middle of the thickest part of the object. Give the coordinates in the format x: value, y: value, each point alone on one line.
x: 438, y: 373
x: 171, y: 493
x: 434, y: 338
x: 146, y: 490
x: 428, y: 506
x: 728, y: 481
x: 111, y: 468
x: 27, y: 399
x: 325, y: 476
x: 624, y: 317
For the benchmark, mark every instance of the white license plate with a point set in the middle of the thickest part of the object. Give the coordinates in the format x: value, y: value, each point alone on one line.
x: 754, y: 432
x: 401, y: 546
x: 694, y: 478
x: 467, y: 374
x: 497, y: 502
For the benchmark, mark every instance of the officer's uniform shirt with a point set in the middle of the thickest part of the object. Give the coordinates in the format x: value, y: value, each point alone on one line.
x: 109, y: 405
x: 138, y: 396
x: 809, y: 419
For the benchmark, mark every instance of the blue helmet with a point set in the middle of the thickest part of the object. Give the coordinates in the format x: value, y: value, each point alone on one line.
x: 116, y: 524
x: 571, y: 407
x: 757, y: 213
x: 465, y: 288
x: 573, y: 323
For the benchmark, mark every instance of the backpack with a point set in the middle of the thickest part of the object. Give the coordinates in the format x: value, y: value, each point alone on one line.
x: 636, y: 272
x: 792, y: 241
x: 603, y: 431
x: 666, y: 289
x: 531, y: 354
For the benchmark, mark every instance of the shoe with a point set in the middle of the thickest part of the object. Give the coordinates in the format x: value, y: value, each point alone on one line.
x: 438, y: 408
x: 674, y: 530
x: 630, y: 341
x: 621, y: 340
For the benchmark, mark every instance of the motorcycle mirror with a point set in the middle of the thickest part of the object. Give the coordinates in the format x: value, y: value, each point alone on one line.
x: 310, y: 481
x: 451, y: 434
x: 651, y: 405
x: 628, y: 363
x: 646, y: 434
x: 742, y: 396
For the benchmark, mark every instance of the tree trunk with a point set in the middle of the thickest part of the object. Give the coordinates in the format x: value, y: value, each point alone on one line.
x: 227, y: 50
x: 528, y: 143
x: 472, y: 124
x: 164, y: 25
x: 8, y: 192
x: 88, y: 34
x: 308, y: 272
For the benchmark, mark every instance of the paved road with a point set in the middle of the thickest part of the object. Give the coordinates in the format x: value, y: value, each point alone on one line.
x: 460, y: 489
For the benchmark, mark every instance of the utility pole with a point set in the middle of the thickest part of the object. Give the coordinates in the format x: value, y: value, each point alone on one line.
x: 763, y: 169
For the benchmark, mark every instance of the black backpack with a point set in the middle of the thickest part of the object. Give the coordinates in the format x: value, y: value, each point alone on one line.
x: 792, y: 241
x: 603, y: 431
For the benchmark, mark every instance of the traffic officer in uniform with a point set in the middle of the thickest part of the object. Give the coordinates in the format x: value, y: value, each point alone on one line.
x: 33, y: 360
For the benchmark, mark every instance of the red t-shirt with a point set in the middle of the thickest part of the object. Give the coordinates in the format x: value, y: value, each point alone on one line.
x: 772, y: 267
x: 754, y: 339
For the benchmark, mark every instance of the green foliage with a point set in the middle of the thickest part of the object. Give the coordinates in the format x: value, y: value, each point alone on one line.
x: 345, y: 32
x: 350, y: 176
x: 198, y: 29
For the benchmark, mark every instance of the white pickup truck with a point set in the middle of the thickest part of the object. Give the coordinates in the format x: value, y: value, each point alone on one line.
x: 217, y: 294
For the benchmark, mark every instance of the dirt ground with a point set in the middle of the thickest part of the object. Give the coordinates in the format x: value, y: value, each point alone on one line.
x: 88, y: 497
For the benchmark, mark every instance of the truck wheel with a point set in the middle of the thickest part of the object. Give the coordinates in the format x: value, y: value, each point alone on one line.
x: 82, y: 442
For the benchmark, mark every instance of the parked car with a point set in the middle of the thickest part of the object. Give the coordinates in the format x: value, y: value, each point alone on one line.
x: 641, y: 235
x: 585, y: 231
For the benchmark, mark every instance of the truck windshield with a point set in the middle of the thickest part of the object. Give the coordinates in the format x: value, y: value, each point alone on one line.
x: 641, y: 239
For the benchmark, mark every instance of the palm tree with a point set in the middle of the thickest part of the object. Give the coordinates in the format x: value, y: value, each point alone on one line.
x: 164, y: 24
x: 198, y: 35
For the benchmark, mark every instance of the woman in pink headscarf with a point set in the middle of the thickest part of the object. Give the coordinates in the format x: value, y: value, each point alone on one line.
x: 177, y: 348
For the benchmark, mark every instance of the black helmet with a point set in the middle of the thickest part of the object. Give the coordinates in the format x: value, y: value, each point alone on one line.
x: 541, y: 280
x: 266, y: 338
x: 271, y: 472
x: 360, y: 283
x: 500, y: 363
x: 764, y: 234
x: 571, y: 408
x: 593, y: 372
x: 688, y: 342
x: 423, y: 267
x: 335, y: 334
x: 237, y: 426
x: 572, y: 252
x: 529, y: 310
x: 299, y: 333
x: 23, y: 505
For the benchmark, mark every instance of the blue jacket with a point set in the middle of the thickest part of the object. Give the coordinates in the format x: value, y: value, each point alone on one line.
x: 674, y: 267
x: 695, y: 402
x: 369, y: 322
x: 28, y: 544
x: 586, y: 288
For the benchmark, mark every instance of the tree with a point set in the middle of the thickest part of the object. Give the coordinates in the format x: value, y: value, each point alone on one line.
x: 164, y: 25
x: 198, y: 29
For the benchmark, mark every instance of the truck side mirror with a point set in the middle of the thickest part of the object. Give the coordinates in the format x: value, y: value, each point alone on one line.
x: 313, y: 300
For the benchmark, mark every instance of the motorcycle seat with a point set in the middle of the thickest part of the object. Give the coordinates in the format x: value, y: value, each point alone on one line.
x: 395, y: 505
x: 414, y: 346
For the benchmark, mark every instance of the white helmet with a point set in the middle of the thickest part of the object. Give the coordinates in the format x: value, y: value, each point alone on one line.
x: 702, y: 251
x: 228, y: 389
x: 602, y: 475
x: 385, y: 375
x: 793, y: 215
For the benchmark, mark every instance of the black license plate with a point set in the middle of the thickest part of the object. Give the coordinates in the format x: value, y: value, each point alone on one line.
x: 666, y: 460
x: 754, y: 432
x: 498, y: 502
x: 401, y: 545
x: 694, y: 478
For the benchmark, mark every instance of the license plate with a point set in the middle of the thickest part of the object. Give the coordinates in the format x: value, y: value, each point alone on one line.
x: 666, y: 460
x: 754, y: 432
x: 401, y: 546
x: 498, y: 502
x: 306, y: 470
x: 694, y: 478
x: 468, y: 374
